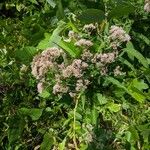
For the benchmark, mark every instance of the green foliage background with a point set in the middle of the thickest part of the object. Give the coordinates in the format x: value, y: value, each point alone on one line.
x: 119, y: 115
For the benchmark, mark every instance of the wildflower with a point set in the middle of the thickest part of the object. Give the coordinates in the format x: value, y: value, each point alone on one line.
x: 84, y: 42
x: 89, y: 27
x: 81, y: 85
x: 75, y: 69
x: 43, y: 62
x: 104, y: 71
x: 23, y: 68
x: 86, y: 55
x: 58, y: 88
x: 72, y: 94
x: 104, y: 58
x: 117, y: 33
x: 40, y: 87
x: 147, y: 6
x: 117, y: 71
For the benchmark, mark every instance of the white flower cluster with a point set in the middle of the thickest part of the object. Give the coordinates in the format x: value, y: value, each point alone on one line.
x: 117, y: 33
x: 105, y: 58
x: 84, y: 42
x: 118, y: 71
x: 75, y: 69
x: 89, y: 28
x: 42, y: 63
x: 147, y: 6
x: 45, y: 61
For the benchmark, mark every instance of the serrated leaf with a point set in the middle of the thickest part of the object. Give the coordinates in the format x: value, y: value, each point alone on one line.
x: 122, y: 9
x: 131, y: 51
x: 137, y: 95
x: 117, y: 83
x: 92, y: 16
x: 34, y: 113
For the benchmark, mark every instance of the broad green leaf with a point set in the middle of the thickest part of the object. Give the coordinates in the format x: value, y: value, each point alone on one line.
x: 137, y: 95
x: 25, y: 55
x: 47, y: 141
x: 34, y: 113
x: 16, y: 126
x: 114, y: 107
x: 122, y: 9
x: 131, y: 51
x: 92, y: 16
x: 72, y: 51
x: 54, y: 39
x: 44, y: 43
x: 52, y: 3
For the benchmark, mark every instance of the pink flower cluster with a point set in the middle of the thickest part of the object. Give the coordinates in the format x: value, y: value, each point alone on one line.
x: 45, y: 61
x: 75, y: 69
x: 117, y: 33
x: 105, y: 58
x: 84, y: 42
x: 89, y: 28
x: 147, y: 6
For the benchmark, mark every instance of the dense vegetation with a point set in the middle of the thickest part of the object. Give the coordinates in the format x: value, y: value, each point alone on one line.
x: 75, y: 74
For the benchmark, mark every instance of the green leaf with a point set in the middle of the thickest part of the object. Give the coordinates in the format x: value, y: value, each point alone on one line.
x: 127, y: 63
x: 16, y: 126
x: 70, y: 49
x: 45, y: 94
x: 34, y: 2
x: 114, y: 107
x: 134, y: 134
x: 131, y: 51
x: 137, y: 95
x: 92, y: 16
x: 62, y: 145
x: 34, y: 113
x: 122, y: 9
x: 140, y: 85
x: 52, y: 3
x: 25, y: 55
x: 102, y: 100
x: 117, y: 83
x: 94, y: 115
x: 47, y: 141
x: 54, y: 39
